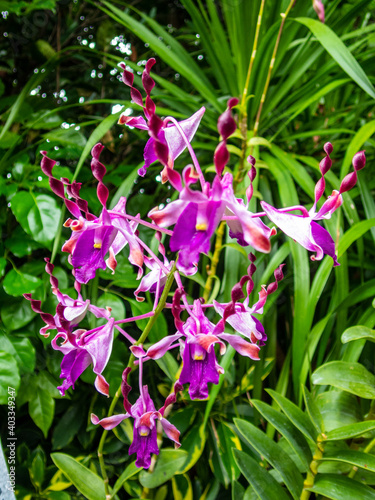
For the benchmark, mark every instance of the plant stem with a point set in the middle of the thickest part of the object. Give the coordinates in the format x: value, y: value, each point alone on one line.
x: 272, y: 63
x: 141, y: 340
x: 215, y: 261
x: 313, y: 469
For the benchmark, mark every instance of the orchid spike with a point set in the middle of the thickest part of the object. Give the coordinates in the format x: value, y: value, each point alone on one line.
x: 165, y: 143
x: 226, y: 127
x: 304, y: 228
x: 145, y: 416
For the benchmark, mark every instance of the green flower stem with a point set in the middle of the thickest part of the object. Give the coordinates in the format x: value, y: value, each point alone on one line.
x: 313, y: 468
x: 243, y: 105
x: 215, y: 260
x: 272, y: 63
x: 141, y: 340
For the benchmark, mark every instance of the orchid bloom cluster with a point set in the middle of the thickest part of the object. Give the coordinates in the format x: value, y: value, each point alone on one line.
x: 194, y: 216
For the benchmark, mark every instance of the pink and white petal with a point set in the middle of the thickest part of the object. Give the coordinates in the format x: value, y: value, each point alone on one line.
x: 160, y: 348
x: 109, y: 423
x: 168, y: 215
x: 207, y: 341
x: 176, y: 143
x: 241, y: 346
x: 133, y: 121
x: 76, y: 313
x: 138, y: 351
x: 171, y: 431
x: 101, y: 385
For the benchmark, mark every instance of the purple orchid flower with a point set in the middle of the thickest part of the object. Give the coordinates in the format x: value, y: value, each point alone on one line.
x: 197, y: 215
x: 143, y: 412
x: 93, y: 238
x: 80, y: 349
x: 200, y: 366
x: 303, y: 228
x: 166, y: 133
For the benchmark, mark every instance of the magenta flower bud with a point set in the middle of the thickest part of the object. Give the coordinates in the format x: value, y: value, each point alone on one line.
x: 147, y: 82
x: 359, y: 160
x: 325, y: 164
x: 233, y: 101
x: 226, y: 124
x: 328, y: 148
x: 221, y: 157
x: 348, y: 182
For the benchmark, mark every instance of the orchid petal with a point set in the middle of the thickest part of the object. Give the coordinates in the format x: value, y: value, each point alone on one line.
x: 241, y: 346
x: 109, y: 423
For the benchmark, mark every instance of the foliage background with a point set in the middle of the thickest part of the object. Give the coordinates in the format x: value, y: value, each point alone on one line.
x: 60, y: 92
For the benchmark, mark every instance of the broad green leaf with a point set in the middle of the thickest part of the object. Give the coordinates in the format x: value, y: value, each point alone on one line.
x: 89, y: 484
x: 67, y: 137
x: 284, y: 426
x: 114, y: 302
x: 38, y: 215
x: 358, y: 333
x: 340, y: 53
x: 130, y: 471
x: 222, y: 462
x: 274, y: 454
x: 37, y: 469
x: 9, y: 376
x: 350, y: 431
x: 341, y: 488
x: 42, y: 409
x: 67, y: 426
x: 16, y: 283
x: 168, y: 464
x: 313, y: 410
x: 22, y: 350
x: 338, y: 408
x: 263, y: 483
x: 193, y: 442
x: 351, y: 377
x: 352, y: 457
x: 182, y: 487
x: 300, y: 419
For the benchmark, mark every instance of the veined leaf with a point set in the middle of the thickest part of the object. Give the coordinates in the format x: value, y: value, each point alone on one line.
x: 340, y: 53
x: 341, y: 488
x: 350, y: 431
x: 352, y: 457
x: 284, y: 426
x: 274, y: 454
x: 168, y: 464
x: 89, y: 484
x: 358, y: 333
x: 351, y: 377
x: 300, y: 419
x: 264, y: 484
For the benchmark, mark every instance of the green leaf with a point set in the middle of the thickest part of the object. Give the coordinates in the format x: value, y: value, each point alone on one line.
x: 338, y: 408
x: 193, y: 442
x: 300, y: 419
x: 283, y: 425
x: 16, y: 283
x: 361, y: 136
x: 263, y: 483
x: 129, y: 472
x: 115, y: 303
x: 351, y: 377
x: 37, y: 469
x: 350, y: 431
x: 222, y: 462
x: 9, y: 376
x: 42, y: 409
x: 274, y: 454
x: 22, y: 350
x: 341, y: 488
x: 340, y: 53
x: 358, y: 332
x: 352, y: 457
x: 168, y: 464
x: 89, y: 484
x: 67, y: 426
x: 313, y: 410
x: 182, y: 487
x: 38, y: 215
